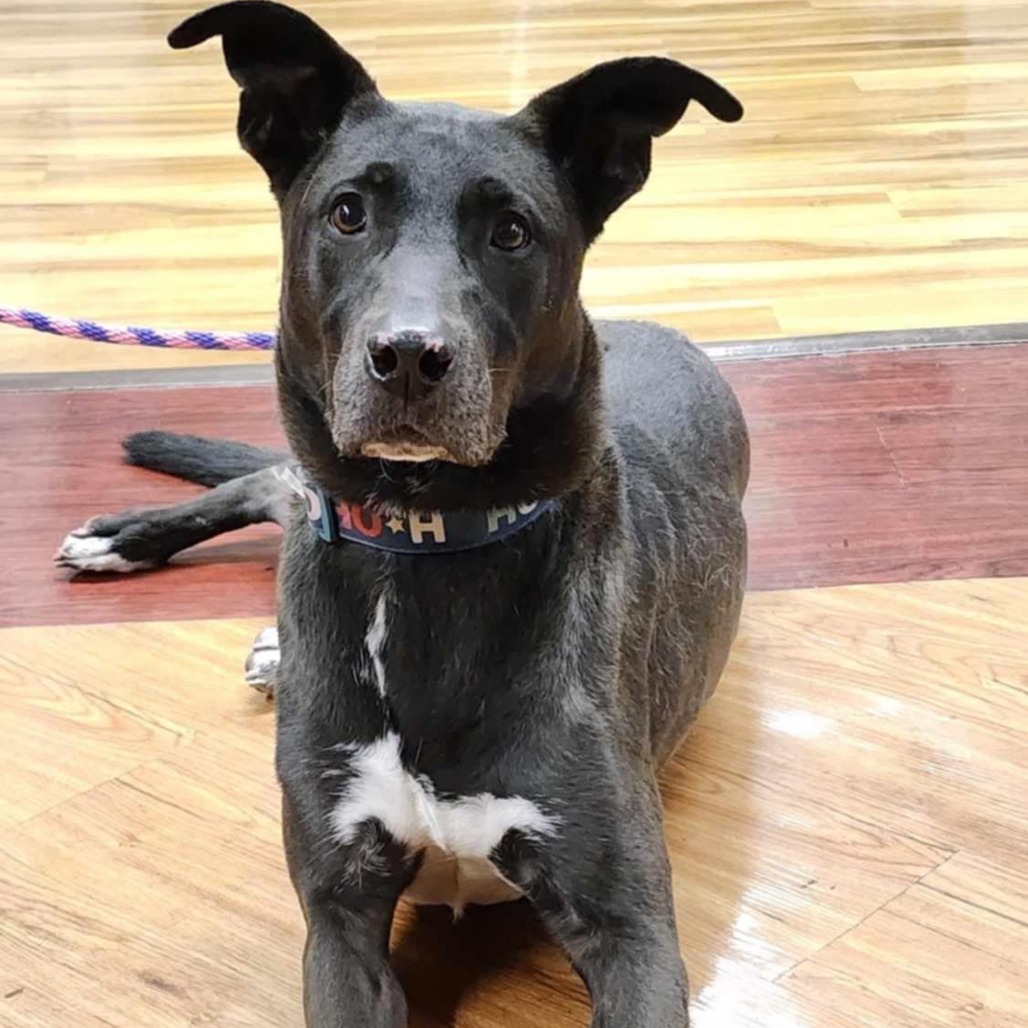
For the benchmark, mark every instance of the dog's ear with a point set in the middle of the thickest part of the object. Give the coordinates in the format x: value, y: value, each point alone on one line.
x: 599, y: 126
x: 296, y: 80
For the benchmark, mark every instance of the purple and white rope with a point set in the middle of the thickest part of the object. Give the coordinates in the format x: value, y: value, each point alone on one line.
x: 131, y: 335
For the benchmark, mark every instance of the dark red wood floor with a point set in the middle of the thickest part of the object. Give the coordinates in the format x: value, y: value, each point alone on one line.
x: 866, y: 468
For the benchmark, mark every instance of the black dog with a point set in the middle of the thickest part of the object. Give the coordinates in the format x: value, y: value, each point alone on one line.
x: 521, y: 562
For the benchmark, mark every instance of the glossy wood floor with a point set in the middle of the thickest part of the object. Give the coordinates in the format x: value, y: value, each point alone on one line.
x: 878, y: 181
x: 847, y: 827
x: 847, y: 823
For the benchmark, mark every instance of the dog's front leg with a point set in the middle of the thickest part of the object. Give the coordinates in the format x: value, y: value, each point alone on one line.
x: 348, y: 896
x: 602, y: 885
x: 347, y: 980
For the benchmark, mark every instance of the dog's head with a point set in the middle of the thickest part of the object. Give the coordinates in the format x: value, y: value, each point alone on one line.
x: 432, y: 254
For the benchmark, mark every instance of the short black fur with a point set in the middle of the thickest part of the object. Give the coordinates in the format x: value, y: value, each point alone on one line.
x: 561, y: 666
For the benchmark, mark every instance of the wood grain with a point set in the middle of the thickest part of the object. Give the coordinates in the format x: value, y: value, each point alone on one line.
x: 927, y: 958
x: 845, y: 825
x: 877, y: 182
x: 866, y: 467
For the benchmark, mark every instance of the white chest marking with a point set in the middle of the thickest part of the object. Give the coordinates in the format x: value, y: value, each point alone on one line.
x: 456, y: 836
x: 374, y: 641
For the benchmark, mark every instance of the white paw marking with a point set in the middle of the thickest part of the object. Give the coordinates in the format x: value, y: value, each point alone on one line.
x: 84, y: 552
x: 263, y: 660
x: 457, y: 836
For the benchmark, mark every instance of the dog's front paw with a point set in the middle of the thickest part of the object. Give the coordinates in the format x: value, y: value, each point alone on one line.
x: 262, y: 662
x: 98, y: 546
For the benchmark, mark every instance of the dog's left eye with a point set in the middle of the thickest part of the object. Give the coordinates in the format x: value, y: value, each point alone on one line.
x: 511, y: 232
x: 348, y: 215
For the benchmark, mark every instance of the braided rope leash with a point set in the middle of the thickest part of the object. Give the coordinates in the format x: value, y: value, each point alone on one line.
x: 131, y: 335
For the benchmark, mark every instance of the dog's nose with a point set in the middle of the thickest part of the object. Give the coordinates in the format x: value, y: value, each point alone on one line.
x: 409, y: 363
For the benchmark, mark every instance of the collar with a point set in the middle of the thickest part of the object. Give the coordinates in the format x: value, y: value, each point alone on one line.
x: 414, y: 532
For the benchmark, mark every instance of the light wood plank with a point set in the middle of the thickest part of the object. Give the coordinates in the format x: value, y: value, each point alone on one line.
x: 845, y: 824
x: 929, y: 957
x: 62, y: 739
x: 974, y: 880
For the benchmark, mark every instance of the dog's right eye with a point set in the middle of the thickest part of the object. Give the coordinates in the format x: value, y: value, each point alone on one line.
x: 511, y: 232
x: 348, y: 215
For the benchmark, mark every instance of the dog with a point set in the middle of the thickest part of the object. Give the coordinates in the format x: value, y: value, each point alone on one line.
x: 515, y: 554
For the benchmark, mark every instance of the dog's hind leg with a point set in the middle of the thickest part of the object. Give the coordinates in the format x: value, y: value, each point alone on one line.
x: 140, y: 538
x: 247, y: 490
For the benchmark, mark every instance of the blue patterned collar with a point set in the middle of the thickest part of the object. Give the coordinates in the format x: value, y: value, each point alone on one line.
x: 412, y: 532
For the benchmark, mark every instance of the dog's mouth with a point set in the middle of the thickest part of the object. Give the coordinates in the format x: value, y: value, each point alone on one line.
x: 447, y: 433
x: 406, y: 445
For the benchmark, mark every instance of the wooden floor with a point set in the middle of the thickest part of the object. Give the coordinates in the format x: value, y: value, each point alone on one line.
x: 847, y: 827
x: 879, y: 180
x: 847, y: 824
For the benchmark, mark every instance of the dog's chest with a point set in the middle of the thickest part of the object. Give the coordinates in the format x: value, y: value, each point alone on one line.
x: 455, y: 837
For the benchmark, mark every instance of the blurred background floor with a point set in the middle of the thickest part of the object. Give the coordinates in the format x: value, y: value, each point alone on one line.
x: 879, y: 180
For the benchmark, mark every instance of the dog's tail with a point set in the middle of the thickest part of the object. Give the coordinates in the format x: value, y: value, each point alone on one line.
x: 204, y: 461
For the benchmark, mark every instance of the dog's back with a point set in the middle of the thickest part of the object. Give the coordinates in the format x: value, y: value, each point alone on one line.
x: 658, y: 383
x: 685, y: 456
